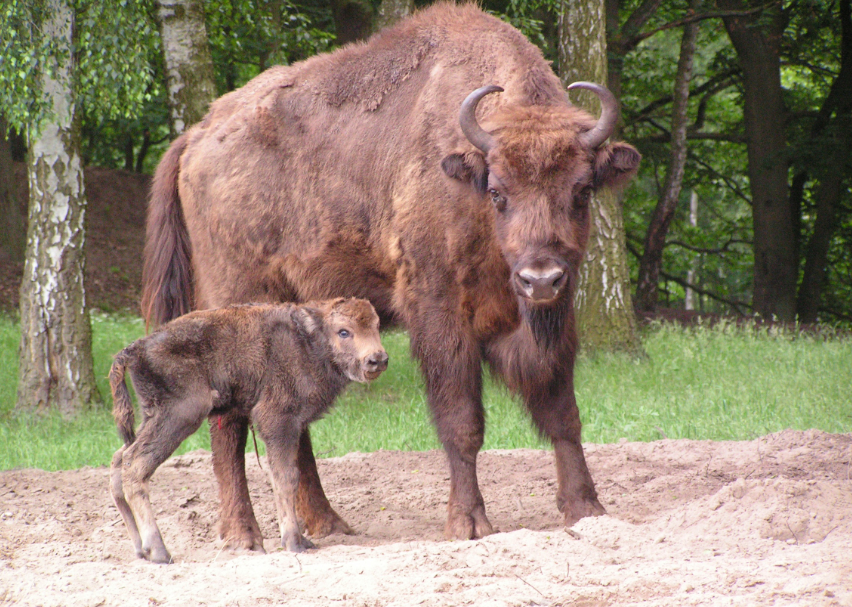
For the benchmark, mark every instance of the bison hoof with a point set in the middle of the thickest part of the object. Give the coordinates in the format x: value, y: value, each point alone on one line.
x: 467, y: 526
x: 321, y: 526
x: 244, y: 542
x: 575, y: 510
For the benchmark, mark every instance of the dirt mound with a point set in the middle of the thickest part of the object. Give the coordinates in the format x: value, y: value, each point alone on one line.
x: 763, y: 522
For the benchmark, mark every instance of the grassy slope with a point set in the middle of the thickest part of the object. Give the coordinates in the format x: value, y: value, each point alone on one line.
x: 721, y: 384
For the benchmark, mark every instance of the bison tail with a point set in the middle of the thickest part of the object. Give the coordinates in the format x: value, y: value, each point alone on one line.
x: 167, y: 269
x: 122, y: 406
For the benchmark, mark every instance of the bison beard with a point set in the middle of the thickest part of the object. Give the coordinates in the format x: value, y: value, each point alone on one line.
x: 407, y: 170
x: 547, y: 323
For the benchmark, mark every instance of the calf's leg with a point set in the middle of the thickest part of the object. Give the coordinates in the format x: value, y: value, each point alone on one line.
x: 159, y: 436
x: 281, y: 434
x: 238, y: 526
x: 117, y: 490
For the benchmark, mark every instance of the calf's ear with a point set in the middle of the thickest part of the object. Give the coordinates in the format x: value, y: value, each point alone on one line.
x: 307, y: 320
x: 615, y: 164
x: 469, y: 168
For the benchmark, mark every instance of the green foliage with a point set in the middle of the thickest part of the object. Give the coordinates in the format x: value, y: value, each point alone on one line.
x: 247, y: 36
x: 112, y: 75
x: 720, y: 383
x: 23, y: 56
x: 112, y: 48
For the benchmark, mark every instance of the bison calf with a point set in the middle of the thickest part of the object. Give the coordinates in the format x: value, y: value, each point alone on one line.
x: 283, y: 365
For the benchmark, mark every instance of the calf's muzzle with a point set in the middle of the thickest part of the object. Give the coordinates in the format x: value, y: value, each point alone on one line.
x: 375, y: 364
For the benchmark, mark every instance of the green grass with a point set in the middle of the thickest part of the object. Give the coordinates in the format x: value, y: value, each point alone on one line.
x: 720, y: 383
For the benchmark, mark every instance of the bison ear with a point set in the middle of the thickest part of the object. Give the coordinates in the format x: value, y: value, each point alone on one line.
x: 469, y: 168
x: 306, y: 320
x: 615, y: 164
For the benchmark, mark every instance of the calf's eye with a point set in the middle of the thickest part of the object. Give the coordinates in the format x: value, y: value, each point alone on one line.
x: 343, y: 333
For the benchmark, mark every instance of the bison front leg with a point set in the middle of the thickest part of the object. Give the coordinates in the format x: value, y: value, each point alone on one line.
x: 452, y: 369
x: 238, y: 526
x: 312, y: 505
x: 556, y: 415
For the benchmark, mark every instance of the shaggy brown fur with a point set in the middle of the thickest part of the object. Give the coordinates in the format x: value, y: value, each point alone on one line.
x: 280, y: 365
x: 349, y: 174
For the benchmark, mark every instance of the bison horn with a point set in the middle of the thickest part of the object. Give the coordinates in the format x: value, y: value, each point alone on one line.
x: 467, y: 118
x: 609, y: 114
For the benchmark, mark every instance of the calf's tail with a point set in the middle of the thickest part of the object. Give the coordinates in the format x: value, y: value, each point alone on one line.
x: 122, y: 407
x: 167, y: 267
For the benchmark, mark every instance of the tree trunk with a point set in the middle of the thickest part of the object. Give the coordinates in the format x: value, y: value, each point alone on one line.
x: 13, y: 229
x: 692, y: 273
x: 832, y: 174
x: 757, y: 40
x: 391, y: 11
x: 353, y: 20
x: 604, y: 310
x: 56, y: 368
x: 655, y: 237
x: 189, y: 67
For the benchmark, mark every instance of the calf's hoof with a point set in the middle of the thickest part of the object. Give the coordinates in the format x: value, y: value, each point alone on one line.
x: 581, y: 508
x: 297, y: 543
x: 156, y: 554
x: 467, y: 525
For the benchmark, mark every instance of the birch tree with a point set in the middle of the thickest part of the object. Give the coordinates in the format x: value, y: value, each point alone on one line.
x: 189, y: 68
x: 49, y: 66
x: 56, y: 367
x: 604, y: 308
x: 391, y: 11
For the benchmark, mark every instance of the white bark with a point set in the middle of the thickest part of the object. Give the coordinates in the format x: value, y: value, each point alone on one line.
x: 189, y: 68
x: 55, y: 356
x: 391, y: 11
x: 692, y: 274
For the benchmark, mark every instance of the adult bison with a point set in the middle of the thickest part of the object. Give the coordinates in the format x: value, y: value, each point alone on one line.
x: 366, y: 173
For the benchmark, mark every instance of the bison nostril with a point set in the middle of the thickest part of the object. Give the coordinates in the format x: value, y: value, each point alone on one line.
x: 541, y: 285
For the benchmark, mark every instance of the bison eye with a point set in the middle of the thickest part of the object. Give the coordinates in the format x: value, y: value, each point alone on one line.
x: 343, y: 333
x: 498, y: 199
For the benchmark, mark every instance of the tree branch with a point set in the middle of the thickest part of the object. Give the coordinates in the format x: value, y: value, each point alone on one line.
x: 723, y: 249
x: 632, y: 42
x: 665, y: 136
x: 736, y: 305
x: 731, y: 185
x: 716, y: 81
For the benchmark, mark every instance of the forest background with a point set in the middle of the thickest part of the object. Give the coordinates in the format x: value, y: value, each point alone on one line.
x: 742, y: 110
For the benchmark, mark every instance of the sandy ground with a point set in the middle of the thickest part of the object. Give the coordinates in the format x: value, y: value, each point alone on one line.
x: 763, y: 522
